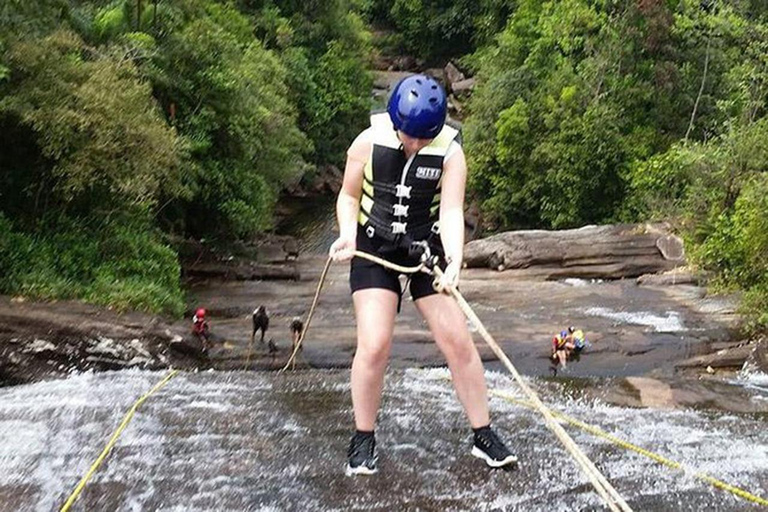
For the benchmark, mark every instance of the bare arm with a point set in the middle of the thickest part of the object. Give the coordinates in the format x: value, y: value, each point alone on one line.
x: 348, y: 202
x: 452, y: 207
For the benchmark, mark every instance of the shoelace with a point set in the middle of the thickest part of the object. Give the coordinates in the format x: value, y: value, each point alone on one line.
x: 491, y: 441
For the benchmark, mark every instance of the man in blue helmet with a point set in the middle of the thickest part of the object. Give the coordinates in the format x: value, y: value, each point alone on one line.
x: 404, y: 182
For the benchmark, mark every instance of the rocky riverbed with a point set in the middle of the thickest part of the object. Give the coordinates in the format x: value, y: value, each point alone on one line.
x: 661, y: 327
x: 664, y: 370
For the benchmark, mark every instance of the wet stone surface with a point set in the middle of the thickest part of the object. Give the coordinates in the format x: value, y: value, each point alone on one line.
x: 632, y: 329
x: 259, y: 441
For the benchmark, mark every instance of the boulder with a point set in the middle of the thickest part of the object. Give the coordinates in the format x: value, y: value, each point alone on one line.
x: 463, y: 87
x: 453, y: 75
x: 596, y: 252
x: 671, y: 278
x: 189, y: 345
x: 671, y: 247
x: 726, y: 358
x: 436, y: 73
x: 757, y: 360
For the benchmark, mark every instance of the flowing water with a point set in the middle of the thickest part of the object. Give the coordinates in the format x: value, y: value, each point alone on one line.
x: 259, y: 441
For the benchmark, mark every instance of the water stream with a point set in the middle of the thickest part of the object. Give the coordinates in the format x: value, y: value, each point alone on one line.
x: 258, y: 441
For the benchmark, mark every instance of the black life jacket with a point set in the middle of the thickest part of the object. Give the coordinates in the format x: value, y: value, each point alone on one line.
x: 401, y: 196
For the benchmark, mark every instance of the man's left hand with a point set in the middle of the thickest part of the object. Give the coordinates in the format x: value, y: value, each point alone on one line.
x: 450, y: 277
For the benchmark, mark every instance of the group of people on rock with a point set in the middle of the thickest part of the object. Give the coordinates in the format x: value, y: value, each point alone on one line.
x: 567, y: 344
x: 260, y: 321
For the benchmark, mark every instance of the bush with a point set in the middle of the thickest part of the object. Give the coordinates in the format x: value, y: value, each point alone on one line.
x: 718, y: 193
x: 121, y: 263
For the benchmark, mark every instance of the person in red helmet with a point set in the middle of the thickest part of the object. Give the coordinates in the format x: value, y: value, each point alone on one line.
x: 200, y: 328
x: 404, y: 184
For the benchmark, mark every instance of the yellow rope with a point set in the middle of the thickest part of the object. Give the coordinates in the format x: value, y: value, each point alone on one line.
x: 113, y: 440
x: 384, y: 263
x: 599, y: 482
x: 248, y: 358
x: 291, y: 360
x: 642, y: 451
x: 610, y: 496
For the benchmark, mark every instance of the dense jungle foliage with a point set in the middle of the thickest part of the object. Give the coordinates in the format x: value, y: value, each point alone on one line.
x: 603, y: 111
x: 126, y: 124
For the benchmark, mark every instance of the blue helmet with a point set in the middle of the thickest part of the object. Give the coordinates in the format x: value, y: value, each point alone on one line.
x: 418, y: 106
x: 564, y: 334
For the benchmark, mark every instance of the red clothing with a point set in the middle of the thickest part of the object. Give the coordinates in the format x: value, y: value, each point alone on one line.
x: 199, y: 325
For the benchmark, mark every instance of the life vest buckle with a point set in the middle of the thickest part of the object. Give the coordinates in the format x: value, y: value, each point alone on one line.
x: 398, y: 228
x: 401, y: 210
x: 403, y: 191
x: 370, y: 231
x: 436, y: 228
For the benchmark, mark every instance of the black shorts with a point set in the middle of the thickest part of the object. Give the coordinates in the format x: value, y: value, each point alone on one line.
x: 365, y: 274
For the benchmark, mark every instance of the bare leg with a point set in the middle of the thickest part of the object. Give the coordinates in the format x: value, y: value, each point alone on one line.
x: 375, y: 310
x: 449, y: 327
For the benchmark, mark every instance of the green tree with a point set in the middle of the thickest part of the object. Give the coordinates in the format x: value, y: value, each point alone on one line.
x: 606, y: 85
x: 97, y: 124
x: 229, y: 98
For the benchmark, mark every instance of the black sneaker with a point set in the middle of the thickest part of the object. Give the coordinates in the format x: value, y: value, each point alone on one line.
x: 362, y: 454
x: 490, y: 448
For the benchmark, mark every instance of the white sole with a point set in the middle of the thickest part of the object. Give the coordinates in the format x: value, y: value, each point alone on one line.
x: 360, y: 470
x: 477, y: 452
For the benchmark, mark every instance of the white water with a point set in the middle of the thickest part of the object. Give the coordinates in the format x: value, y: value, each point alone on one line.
x: 234, y: 441
x: 577, y: 282
x: 670, y: 322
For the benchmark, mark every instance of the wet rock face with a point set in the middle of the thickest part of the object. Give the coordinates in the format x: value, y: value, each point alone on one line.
x: 259, y: 441
x: 757, y: 360
x: 240, y: 271
x: 47, y: 340
x: 598, y: 252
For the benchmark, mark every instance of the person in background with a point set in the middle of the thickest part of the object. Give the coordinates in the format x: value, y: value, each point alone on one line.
x: 297, y: 327
x: 561, y: 346
x: 576, y: 338
x: 260, y: 319
x: 200, y: 328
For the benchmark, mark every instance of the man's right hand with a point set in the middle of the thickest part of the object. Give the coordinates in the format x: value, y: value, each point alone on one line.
x: 343, y: 249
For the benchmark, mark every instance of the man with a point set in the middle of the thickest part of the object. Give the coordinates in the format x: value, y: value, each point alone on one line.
x: 260, y: 320
x: 297, y: 327
x: 404, y: 181
x: 577, y: 339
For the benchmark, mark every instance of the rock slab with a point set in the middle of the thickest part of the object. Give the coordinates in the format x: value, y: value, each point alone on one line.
x: 598, y: 252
